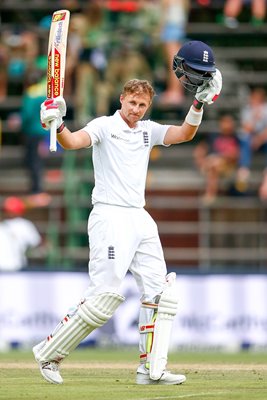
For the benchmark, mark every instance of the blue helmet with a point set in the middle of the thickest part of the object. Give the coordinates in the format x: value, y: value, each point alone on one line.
x: 194, y: 64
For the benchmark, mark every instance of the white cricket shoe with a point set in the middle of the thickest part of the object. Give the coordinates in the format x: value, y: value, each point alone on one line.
x: 50, y: 372
x: 48, y: 369
x: 167, y: 378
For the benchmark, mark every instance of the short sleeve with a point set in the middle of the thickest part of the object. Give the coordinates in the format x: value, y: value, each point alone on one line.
x: 94, y: 129
x: 158, y: 132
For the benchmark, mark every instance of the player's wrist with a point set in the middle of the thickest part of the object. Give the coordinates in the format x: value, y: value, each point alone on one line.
x: 61, y: 127
x: 198, y: 105
x: 194, y: 117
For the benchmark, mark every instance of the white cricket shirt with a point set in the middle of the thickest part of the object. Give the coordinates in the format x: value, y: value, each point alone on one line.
x: 17, y: 235
x: 120, y: 158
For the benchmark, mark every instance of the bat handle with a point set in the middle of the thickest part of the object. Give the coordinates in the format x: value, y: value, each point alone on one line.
x: 53, y: 136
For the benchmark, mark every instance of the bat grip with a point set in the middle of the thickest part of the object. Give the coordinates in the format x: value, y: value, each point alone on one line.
x: 53, y: 136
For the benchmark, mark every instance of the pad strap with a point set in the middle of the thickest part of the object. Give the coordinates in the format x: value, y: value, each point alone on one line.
x: 144, y: 358
x: 147, y: 319
x: 146, y: 328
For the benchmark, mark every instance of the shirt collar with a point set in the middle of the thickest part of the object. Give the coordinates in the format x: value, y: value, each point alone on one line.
x: 123, y: 125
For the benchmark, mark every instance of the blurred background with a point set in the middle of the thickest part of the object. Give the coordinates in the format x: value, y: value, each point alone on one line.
x: 209, y: 196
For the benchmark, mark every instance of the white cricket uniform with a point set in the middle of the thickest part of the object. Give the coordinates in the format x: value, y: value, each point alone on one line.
x: 17, y: 235
x: 122, y: 235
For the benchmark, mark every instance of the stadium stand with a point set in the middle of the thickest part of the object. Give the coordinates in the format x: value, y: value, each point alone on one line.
x: 228, y: 235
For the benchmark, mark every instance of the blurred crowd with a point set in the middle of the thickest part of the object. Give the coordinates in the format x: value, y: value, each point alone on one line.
x: 229, y: 150
x: 18, y: 234
x: 109, y: 42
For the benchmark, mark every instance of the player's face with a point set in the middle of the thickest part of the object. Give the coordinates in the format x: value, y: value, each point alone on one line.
x: 134, y: 107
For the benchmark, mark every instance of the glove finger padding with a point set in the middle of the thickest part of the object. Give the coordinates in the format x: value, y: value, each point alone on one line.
x: 208, y: 93
x: 52, y: 109
x: 61, y: 105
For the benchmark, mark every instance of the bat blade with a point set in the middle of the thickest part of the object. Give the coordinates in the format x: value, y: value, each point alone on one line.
x: 56, y: 62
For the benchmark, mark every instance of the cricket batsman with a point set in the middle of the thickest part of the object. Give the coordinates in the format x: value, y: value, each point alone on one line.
x: 122, y: 235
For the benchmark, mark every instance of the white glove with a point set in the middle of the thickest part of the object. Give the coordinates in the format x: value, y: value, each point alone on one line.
x: 52, y: 109
x: 209, y: 92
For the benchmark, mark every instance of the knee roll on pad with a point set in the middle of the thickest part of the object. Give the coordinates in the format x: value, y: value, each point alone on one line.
x: 96, y: 311
x: 168, y: 301
x: 92, y: 313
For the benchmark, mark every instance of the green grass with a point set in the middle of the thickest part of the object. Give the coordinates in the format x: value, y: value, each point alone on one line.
x: 98, y: 374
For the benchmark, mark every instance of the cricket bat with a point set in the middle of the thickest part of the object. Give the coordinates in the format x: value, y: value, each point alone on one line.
x: 56, y: 60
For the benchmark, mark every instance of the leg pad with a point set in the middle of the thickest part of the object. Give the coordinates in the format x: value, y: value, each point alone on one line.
x: 92, y: 313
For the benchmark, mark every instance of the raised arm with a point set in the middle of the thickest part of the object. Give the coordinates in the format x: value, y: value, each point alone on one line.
x: 73, y: 140
x: 207, y: 93
x: 194, y: 66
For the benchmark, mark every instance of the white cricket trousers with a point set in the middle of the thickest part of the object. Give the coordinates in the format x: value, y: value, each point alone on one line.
x: 122, y: 239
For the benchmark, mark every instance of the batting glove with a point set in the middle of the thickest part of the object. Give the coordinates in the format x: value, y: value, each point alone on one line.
x: 52, y: 109
x: 208, y: 93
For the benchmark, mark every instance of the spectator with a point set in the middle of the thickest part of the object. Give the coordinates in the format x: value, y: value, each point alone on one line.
x: 174, y: 15
x: 92, y: 59
x: 3, y: 69
x: 34, y: 135
x: 253, y: 138
x: 232, y: 9
x: 77, y: 27
x: 217, y: 156
x: 17, y: 235
x: 125, y: 63
x: 123, y: 58
x: 21, y: 50
x: 123, y: 5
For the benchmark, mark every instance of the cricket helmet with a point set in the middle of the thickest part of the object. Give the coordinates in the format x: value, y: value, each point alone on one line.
x: 194, y: 64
